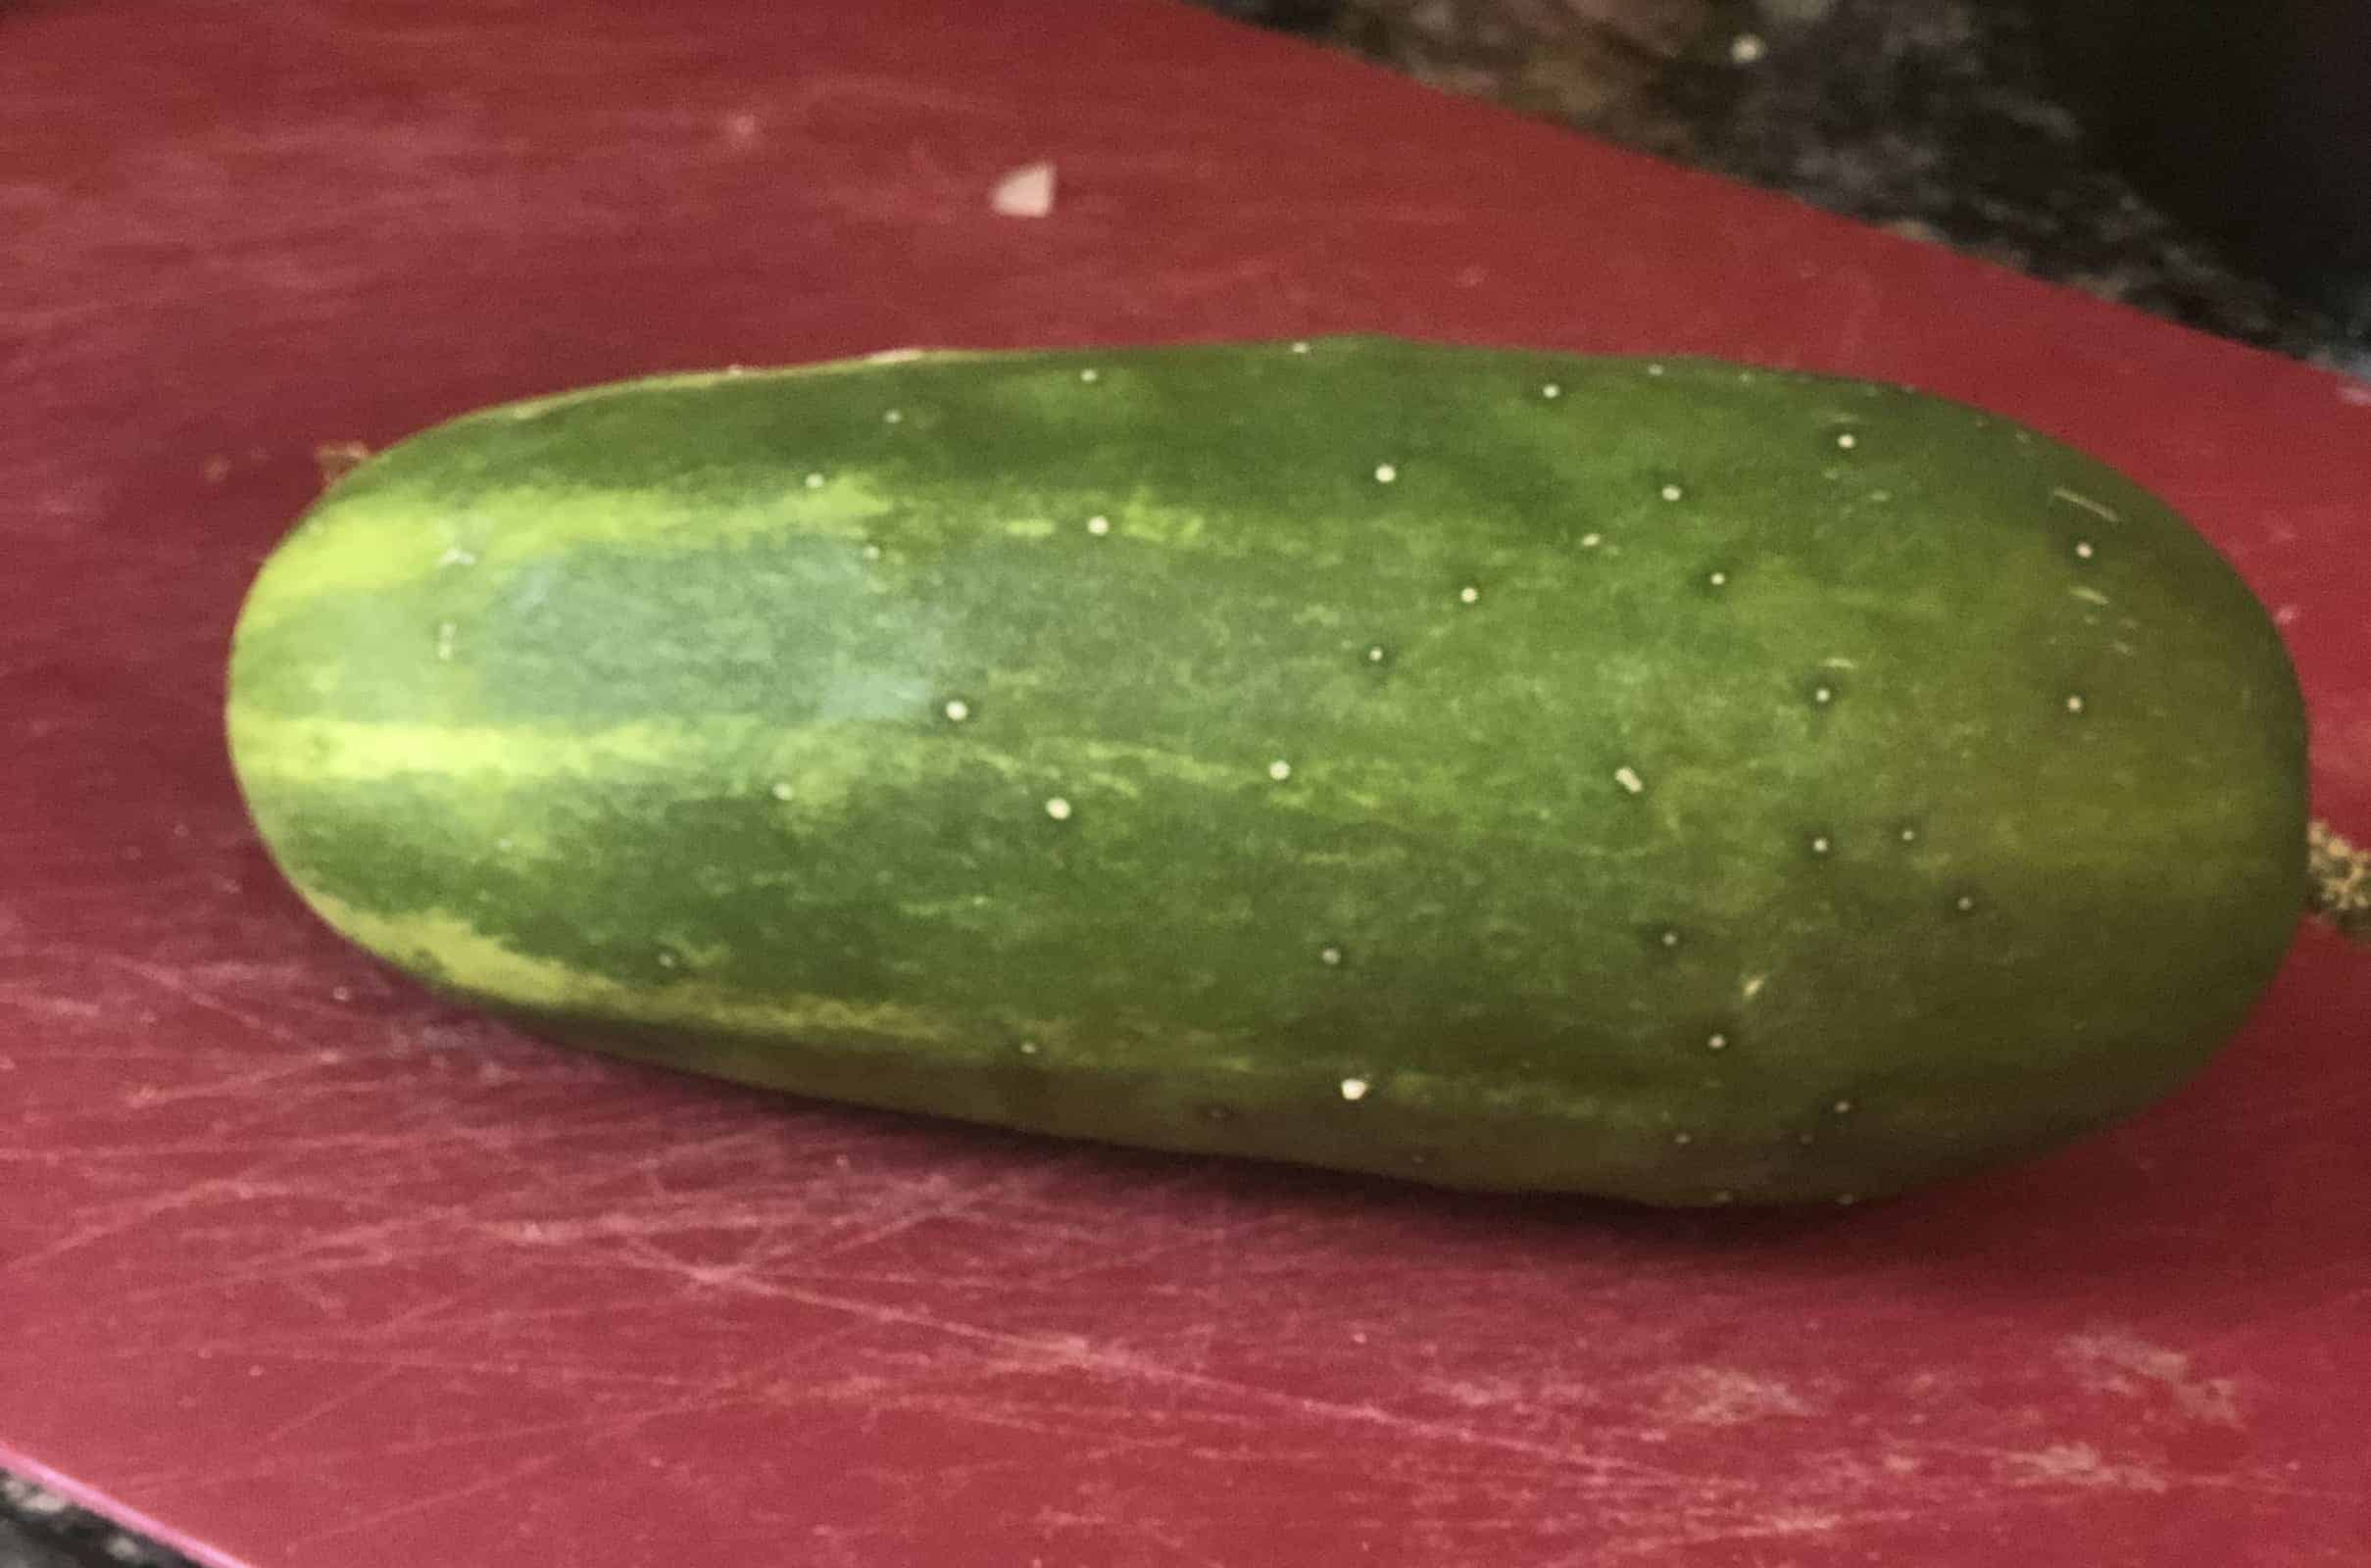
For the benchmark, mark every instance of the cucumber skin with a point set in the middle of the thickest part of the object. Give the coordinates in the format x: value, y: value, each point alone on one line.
x: 1700, y: 783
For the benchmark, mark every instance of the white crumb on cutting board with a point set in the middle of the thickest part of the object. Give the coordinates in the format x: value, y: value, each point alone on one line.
x: 1024, y: 192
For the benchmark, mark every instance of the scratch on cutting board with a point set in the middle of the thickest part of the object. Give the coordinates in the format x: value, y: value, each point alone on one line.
x: 1779, y: 1524
x: 438, y: 1497
x: 1081, y: 1353
x: 2079, y: 1464
x: 1723, y: 1396
x: 2118, y: 1361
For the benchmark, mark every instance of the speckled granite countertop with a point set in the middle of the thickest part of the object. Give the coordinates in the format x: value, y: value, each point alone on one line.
x: 40, y: 1530
x: 1928, y: 117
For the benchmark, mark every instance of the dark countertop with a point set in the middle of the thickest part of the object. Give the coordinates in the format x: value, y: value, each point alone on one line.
x: 39, y: 1529
x: 1930, y: 117
x: 1935, y: 119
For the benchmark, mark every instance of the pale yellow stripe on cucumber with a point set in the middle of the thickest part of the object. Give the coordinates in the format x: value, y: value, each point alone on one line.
x: 465, y: 958
x: 444, y: 944
x: 473, y: 961
x: 376, y: 542
x: 807, y: 769
x: 351, y: 751
x: 817, y: 770
x: 347, y: 750
x: 381, y: 541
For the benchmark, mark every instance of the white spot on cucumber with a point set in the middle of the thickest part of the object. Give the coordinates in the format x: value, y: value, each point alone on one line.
x: 457, y: 557
x: 1628, y: 780
x: 1716, y: 579
x: 1552, y: 391
x: 1683, y: 1139
x: 956, y: 709
x: 1668, y: 937
x: 1386, y: 474
x: 892, y: 417
x: 1280, y: 770
x: 1355, y: 1088
x: 1057, y: 809
x: 782, y: 790
x: 1845, y: 441
x: 1841, y: 1107
x: 814, y: 481
x: 1330, y: 956
x: 1965, y: 903
x: 668, y: 960
x: 1654, y: 370
x: 2091, y: 596
x: 1029, y: 1048
x: 871, y: 552
x: 1823, y: 695
x: 1090, y: 375
x: 1821, y: 844
x: 2074, y: 702
x: 1470, y: 594
x: 1099, y: 525
x: 2084, y: 550
x: 1717, y: 1041
x: 1909, y: 835
x: 1377, y: 653
x: 1300, y: 346
x: 445, y: 632
x: 1671, y: 492
x: 1589, y: 541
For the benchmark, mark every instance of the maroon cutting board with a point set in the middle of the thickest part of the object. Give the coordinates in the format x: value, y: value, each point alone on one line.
x: 305, y: 1268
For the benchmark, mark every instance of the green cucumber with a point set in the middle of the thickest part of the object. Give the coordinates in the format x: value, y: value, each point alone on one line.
x: 1671, y: 780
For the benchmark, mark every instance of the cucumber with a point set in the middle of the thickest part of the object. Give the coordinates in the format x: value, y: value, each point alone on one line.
x: 1665, y: 779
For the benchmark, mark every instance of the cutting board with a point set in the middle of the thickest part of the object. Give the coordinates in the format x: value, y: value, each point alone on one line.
x: 301, y: 1266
